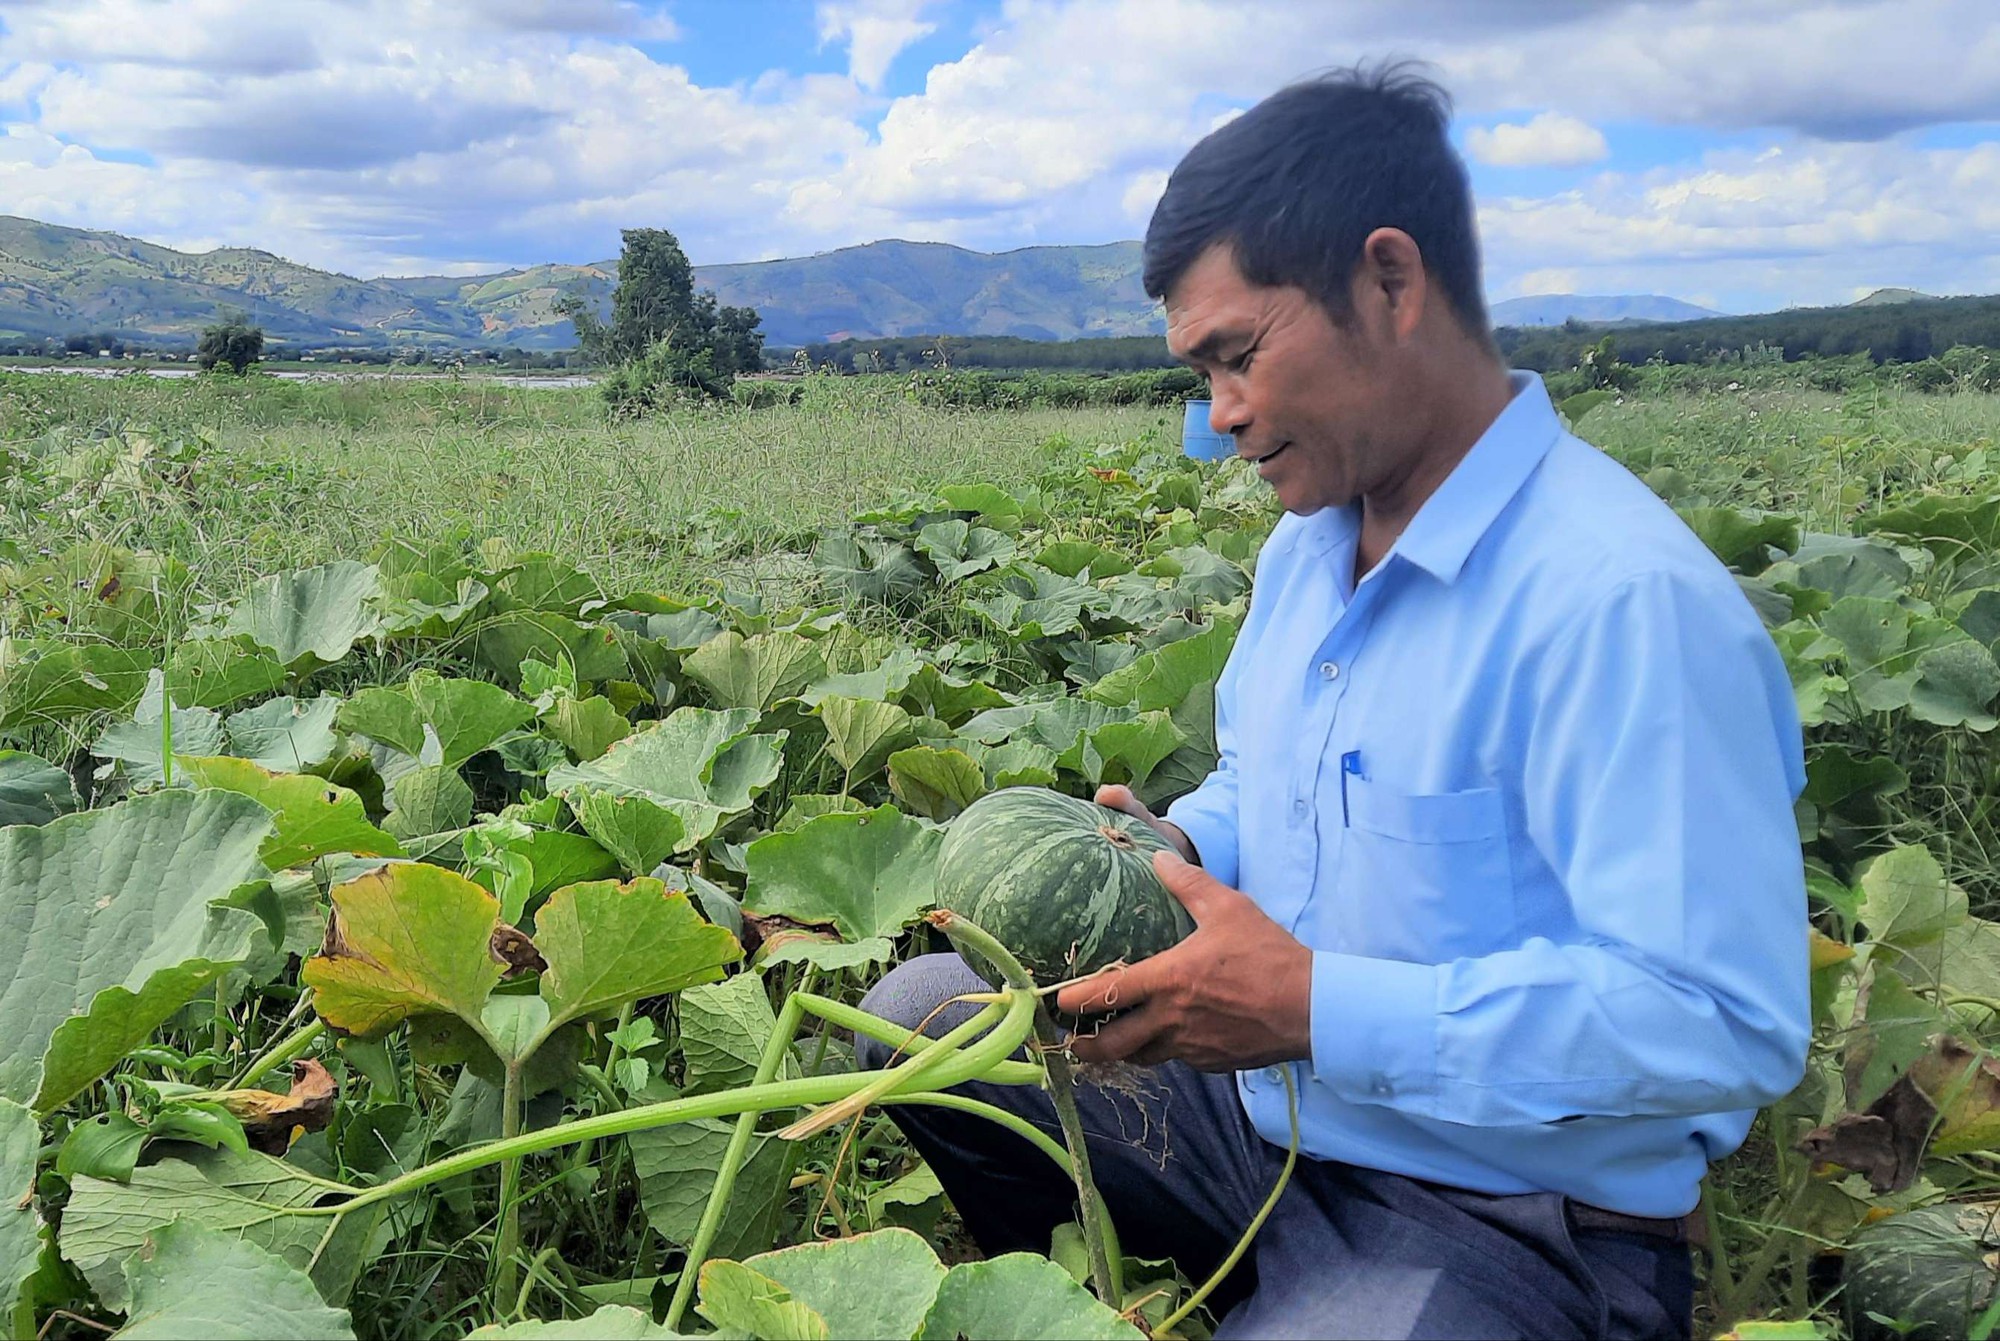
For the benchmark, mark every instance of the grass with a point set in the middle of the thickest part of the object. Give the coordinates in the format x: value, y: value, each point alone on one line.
x: 289, y: 473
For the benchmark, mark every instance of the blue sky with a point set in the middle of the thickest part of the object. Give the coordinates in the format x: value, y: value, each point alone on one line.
x: 1742, y: 154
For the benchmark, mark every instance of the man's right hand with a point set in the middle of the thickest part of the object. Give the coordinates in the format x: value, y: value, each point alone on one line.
x: 1122, y: 799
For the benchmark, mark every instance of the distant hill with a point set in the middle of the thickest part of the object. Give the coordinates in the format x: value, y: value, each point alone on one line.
x: 1890, y: 297
x: 61, y: 281
x: 58, y: 281
x: 1553, y: 309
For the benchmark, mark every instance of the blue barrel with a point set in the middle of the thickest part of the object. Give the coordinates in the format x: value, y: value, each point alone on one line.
x: 1200, y: 441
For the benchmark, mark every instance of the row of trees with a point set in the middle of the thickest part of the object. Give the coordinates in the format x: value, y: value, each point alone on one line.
x: 1900, y: 333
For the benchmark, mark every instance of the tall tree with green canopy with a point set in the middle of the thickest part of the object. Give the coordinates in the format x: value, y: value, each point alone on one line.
x: 663, y: 335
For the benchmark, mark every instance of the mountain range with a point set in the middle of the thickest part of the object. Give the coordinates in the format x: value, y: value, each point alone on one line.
x: 58, y: 281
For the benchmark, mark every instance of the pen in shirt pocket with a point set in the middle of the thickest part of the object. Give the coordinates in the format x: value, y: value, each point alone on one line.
x: 1350, y: 766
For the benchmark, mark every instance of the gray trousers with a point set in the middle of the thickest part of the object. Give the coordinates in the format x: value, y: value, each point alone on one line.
x: 1348, y: 1251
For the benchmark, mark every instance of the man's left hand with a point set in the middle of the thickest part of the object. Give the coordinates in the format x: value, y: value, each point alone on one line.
x: 1234, y: 996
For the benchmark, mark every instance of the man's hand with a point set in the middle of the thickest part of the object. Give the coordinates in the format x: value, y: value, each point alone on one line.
x: 1235, y: 995
x: 1122, y: 799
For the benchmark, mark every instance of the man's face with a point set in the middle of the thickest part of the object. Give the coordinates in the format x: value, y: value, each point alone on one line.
x: 1304, y: 396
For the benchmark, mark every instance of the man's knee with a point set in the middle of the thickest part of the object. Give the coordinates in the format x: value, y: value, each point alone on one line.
x: 913, y: 995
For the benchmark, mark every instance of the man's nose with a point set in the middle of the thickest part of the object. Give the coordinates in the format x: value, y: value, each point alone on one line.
x: 1228, y: 412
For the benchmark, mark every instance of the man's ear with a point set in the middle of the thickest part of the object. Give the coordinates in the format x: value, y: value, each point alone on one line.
x: 1391, y: 273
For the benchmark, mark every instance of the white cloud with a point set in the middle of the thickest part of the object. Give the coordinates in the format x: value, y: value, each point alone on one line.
x: 421, y: 135
x: 1554, y: 280
x: 1549, y: 140
x: 876, y: 32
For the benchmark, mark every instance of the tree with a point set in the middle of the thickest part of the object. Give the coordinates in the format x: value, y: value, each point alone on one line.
x: 232, y: 341
x: 663, y: 336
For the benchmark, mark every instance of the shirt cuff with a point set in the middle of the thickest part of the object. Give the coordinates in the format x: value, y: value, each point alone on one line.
x: 1212, y: 832
x: 1374, y: 1028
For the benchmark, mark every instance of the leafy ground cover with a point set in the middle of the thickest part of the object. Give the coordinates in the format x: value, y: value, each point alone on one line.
x: 449, y: 932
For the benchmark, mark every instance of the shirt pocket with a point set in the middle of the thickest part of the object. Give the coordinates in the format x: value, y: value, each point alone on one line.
x: 1425, y: 876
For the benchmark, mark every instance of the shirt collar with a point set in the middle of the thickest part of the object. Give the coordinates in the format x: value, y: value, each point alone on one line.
x: 1451, y: 521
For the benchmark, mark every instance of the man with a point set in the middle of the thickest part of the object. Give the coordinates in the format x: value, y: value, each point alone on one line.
x: 1497, y: 868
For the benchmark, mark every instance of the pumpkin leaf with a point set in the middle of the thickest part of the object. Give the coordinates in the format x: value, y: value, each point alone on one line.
x: 753, y: 672
x: 190, y: 1280
x: 935, y: 783
x: 704, y: 766
x: 866, y: 875
x: 607, y: 944
x: 110, y: 921
x: 310, y: 817
x: 309, y: 617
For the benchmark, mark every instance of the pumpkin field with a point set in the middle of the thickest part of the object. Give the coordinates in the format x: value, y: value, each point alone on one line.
x: 445, y: 836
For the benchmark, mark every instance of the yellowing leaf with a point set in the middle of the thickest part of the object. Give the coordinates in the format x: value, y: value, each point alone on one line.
x: 405, y: 939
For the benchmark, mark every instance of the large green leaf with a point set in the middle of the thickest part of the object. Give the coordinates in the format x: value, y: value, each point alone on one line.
x: 112, y: 920
x: 20, y: 1236
x: 311, y: 817
x: 138, y: 743
x: 502, y: 643
x: 1027, y: 601
x: 754, y: 672
x: 676, y: 1168
x: 867, y: 875
x: 883, y: 681
x: 869, y: 567
x: 466, y: 716
x: 613, y: 1322
x: 1020, y: 1297
x: 407, y: 939
x: 704, y: 766
x: 861, y: 733
x: 587, y: 726
x: 1956, y: 685
x: 428, y: 800
x: 216, y: 672
x: 608, y: 944
x: 724, y: 1028
x: 244, y: 1195
x: 45, y: 682
x: 639, y: 833
x: 283, y: 734
x: 1906, y: 900
x: 875, y: 1284
x: 959, y: 549
x: 33, y: 790
x: 1743, y: 540
x: 189, y: 1280
x: 934, y: 783
x: 311, y: 616
x: 1952, y: 528
x: 739, y: 1300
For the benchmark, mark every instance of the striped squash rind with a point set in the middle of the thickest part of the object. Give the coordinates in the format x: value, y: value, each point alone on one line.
x: 1067, y: 885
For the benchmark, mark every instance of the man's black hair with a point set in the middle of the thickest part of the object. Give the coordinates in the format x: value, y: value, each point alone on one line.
x: 1297, y: 183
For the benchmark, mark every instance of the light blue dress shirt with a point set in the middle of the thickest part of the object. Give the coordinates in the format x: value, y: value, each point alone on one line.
x: 1526, y: 791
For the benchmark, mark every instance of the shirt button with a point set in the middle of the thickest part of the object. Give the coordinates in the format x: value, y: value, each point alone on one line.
x: 1329, y: 670
x: 1299, y: 807
x: 1274, y: 1075
x: 1379, y: 1085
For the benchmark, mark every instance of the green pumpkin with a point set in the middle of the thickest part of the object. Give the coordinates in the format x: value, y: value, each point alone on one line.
x: 1067, y: 885
x: 1926, y: 1268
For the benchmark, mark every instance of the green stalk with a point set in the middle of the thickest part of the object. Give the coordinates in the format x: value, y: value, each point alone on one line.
x: 510, y: 1183
x: 1106, y: 1272
x: 286, y: 1049
x: 972, y: 1063
x: 1168, y: 1323
x: 896, y: 1077
x: 775, y: 1048
x: 908, y: 1041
